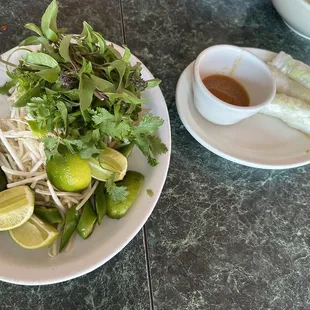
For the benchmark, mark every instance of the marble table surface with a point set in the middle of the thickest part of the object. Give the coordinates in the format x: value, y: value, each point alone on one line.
x: 222, y: 236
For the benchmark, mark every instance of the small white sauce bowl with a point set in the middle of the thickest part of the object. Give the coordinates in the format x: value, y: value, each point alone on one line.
x: 239, y: 64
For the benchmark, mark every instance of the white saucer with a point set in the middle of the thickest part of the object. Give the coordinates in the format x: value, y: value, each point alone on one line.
x: 260, y: 141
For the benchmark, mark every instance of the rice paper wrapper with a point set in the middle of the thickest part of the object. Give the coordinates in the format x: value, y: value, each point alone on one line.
x: 293, y: 111
x: 289, y: 87
x: 294, y: 69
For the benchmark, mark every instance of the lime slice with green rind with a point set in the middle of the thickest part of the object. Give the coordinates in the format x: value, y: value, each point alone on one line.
x: 34, y: 234
x: 107, y: 163
x: 69, y: 172
x: 16, y: 207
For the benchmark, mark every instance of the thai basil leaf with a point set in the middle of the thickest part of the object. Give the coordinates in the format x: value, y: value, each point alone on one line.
x: 34, y: 28
x: 33, y: 40
x: 86, y: 67
x: 41, y: 59
x: 49, y: 22
x: 86, y: 91
x: 126, y: 96
x: 64, y: 48
x: 114, y: 51
x: 102, y: 84
x: 153, y: 83
x: 120, y: 66
x: 127, y: 53
x: 50, y: 75
x: 41, y: 40
x: 4, y: 89
x: 87, y: 33
x: 24, y: 99
x: 101, y: 42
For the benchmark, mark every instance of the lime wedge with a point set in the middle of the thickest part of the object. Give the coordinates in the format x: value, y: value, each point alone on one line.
x: 16, y: 207
x: 108, y: 162
x: 34, y: 234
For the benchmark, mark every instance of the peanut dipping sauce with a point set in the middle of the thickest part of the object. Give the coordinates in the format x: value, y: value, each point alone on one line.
x: 227, y: 89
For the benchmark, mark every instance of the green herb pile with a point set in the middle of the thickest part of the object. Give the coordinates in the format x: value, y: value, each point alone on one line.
x: 79, y: 90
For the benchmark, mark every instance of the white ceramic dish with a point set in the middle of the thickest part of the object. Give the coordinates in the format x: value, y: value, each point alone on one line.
x: 260, y: 141
x: 239, y: 64
x: 295, y: 14
x: 26, y: 267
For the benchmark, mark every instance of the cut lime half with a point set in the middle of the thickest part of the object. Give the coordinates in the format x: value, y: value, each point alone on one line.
x: 108, y: 162
x: 16, y: 207
x: 34, y: 234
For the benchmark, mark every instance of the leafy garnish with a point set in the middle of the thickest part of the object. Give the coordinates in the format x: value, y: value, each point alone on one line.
x: 49, y: 22
x: 4, y: 89
x: 118, y: 193
x: 151, y: 146
x: 81, y: 94
x: 149, y: 192
x: 149, y: 124
x: 64, y: 48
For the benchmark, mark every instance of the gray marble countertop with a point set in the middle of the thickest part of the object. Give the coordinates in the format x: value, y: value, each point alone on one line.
x: 222, y: 236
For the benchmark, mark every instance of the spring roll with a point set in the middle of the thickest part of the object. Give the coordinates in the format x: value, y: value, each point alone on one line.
x: 294, y: 69
x: 293, y: 111
x: 289, y: 87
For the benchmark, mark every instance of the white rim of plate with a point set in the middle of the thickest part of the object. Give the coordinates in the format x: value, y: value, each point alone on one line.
x: 131, y: 235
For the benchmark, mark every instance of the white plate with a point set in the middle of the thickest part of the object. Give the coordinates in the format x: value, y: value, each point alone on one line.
x: 26, y: 267
x: 260, y: 141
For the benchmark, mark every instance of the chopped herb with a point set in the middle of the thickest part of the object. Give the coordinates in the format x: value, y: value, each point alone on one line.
x: 150, y: 192
x: 118, y: 193
x: 80, y: 92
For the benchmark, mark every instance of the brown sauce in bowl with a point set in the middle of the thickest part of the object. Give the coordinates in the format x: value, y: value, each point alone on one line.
x: 227, y: 89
